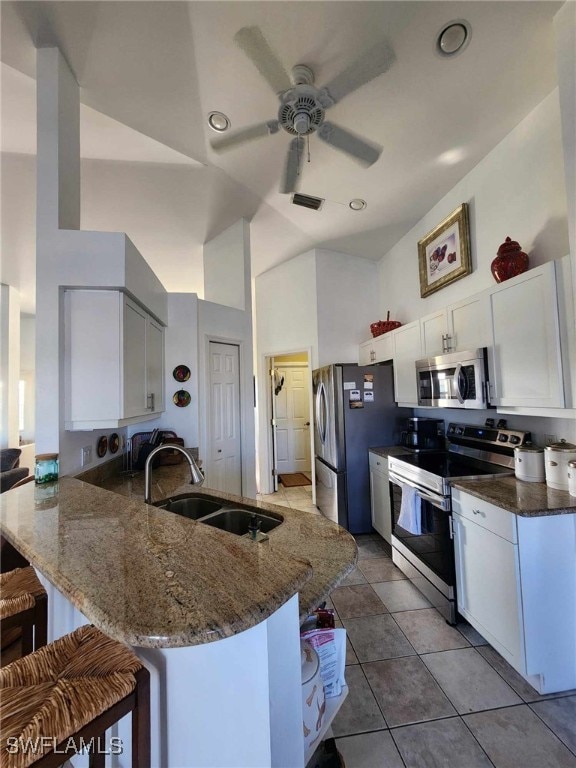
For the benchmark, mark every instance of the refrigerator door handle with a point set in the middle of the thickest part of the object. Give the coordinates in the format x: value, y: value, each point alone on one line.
x: 322, y: 413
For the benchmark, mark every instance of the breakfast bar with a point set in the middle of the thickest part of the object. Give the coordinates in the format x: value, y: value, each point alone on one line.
x: 215, y: 617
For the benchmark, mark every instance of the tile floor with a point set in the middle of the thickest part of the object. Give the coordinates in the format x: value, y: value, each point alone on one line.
x: 424, y: 694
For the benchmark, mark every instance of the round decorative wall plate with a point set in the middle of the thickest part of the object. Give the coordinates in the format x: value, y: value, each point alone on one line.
x: 102, y: 446
x: 114, y: 442
x: 181, y: 373
x: 182, y: 398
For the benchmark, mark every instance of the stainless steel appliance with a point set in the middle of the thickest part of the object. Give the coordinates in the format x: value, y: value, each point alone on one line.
x: 457, y: 380
x: 427, y: 558
x: 343, y: 433
x: 423, y: 434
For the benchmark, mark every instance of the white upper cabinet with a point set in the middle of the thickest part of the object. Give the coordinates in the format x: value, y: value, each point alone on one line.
x: 377, y: 350
x: 114, y: 363
x: 525, y: 353
x: 433, y: 331
x: 407, y: 349
x: 468, y: 324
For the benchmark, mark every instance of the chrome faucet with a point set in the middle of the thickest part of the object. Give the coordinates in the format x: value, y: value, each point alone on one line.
x: 197, y: 478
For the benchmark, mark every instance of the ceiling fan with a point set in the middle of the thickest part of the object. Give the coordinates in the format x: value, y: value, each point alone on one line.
x: 303, y: 105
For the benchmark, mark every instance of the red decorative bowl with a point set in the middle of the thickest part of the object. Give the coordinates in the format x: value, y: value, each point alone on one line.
x: 383, y: 326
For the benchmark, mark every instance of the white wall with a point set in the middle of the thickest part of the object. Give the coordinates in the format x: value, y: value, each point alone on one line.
x: 9, y: 365
x: 224, y: 267
x: 347, y: 301
x: 181, y: 348
x: 517, y: 190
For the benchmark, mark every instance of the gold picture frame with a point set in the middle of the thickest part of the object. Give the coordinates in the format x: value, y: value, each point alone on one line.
x: 444, y: 253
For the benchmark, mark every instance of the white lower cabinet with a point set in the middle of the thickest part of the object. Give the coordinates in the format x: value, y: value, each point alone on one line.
x: 516, y: 585
x: 380, y: 496
x: 114, y: 361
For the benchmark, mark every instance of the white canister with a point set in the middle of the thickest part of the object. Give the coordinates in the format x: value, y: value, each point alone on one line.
x: 557, y: 457
x: 313, y: 701
x: 572, y: 478
x: 529, y: 463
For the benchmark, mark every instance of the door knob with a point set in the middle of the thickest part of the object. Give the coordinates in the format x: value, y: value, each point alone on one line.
x: 307, y: 424
x: 219, y: 450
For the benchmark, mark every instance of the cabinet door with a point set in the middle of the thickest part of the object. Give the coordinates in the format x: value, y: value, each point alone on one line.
x: 383, y: 348
x: 433, y: 329
x: 468, y: 323
x: 488, y: 586
x: 135, y: 387
x: 527, y: 363
x: 407, y: 350
x: 155, y: 367
x: 380, y: 499
x: 366, y: 354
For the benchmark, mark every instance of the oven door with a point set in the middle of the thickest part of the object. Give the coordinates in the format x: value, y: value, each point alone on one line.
x: 433, y: 549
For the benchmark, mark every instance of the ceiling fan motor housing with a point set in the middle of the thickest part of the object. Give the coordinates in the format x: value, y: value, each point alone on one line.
x: 300, y: 112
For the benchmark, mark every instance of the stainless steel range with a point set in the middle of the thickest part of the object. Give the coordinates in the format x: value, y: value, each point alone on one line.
x: 425, y: 554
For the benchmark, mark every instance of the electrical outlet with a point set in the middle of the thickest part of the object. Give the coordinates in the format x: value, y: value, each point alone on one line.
x: 86, y: 455
x: 549, y: 439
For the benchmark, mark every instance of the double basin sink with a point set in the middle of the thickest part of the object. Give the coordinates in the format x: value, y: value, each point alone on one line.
x: 242, y: 522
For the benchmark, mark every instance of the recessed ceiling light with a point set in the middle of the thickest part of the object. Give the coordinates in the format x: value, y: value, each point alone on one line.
x: 453, y: 37
x: 218, y: 122
x: 452, y: 156
x: 357, y: 204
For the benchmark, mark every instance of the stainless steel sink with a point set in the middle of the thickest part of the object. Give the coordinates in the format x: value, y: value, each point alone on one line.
x: 206, y: 510
x: 193, y: 508
x: 239, y: 521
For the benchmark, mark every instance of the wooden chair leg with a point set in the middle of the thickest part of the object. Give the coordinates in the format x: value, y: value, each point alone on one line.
x: 27, y: 638
x: 141, y: 721
x: 41, y: 622
x: 97, y: 759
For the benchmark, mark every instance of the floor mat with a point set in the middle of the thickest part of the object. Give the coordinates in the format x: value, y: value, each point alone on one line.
x: 294, y: 479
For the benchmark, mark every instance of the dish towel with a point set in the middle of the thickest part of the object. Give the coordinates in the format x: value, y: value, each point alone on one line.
x: 410, y: 517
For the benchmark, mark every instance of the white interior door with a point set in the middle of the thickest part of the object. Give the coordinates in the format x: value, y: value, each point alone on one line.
x: 292, y: 417
x: 224, y: 472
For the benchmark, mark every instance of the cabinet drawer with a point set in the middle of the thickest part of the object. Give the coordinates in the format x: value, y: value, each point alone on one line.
x: 377, y: 462
x: 499, y: 521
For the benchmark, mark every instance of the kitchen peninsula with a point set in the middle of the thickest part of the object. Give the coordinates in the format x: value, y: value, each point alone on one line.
x: 214, y: 616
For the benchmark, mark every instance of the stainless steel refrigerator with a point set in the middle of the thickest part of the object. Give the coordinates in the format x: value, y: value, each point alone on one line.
x: 354, y: 410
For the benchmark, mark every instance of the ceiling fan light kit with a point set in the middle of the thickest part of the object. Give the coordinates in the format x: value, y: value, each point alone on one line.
x: 303, y: 105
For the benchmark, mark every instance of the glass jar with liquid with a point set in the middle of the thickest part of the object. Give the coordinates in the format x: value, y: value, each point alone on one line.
x: 46, y: 470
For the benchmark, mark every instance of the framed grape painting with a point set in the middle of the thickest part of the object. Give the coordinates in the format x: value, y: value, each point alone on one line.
x: 444, y: 253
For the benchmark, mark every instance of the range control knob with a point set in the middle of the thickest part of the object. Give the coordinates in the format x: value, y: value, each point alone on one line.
x: 514, y: 439
x: 502, y: 438
x: 459, y: 430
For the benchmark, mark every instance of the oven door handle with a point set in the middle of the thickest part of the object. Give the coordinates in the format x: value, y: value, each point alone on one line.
x: 441, y: 502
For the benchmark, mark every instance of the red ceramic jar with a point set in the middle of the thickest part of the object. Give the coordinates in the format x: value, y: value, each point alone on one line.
x: 510, y: 261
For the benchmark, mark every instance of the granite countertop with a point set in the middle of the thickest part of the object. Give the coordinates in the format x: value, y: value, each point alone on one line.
x: 520, y: 497
x: 152, y: 578
x: 388, y: 450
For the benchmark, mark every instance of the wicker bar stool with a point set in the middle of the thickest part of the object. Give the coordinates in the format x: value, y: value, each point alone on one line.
x: 24, y: 604
x: 69, y: 692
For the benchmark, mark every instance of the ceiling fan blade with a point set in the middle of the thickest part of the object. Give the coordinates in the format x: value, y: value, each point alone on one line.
x: 293, y: 166
x: 374, y: 62
x: 232, y: 140
x: 339, y: 138
x: 254, y: 44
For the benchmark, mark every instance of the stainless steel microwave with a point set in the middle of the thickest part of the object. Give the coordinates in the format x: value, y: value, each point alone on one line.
x: 457, y: 380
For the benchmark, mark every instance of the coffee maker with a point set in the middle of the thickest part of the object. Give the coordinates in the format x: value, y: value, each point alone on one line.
x: 423, y: 434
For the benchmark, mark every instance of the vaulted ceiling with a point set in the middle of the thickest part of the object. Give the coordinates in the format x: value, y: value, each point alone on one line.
x: 150, y: 72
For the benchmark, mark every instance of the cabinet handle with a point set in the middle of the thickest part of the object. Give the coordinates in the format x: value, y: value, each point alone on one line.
x: 478, y: 512
x: 151, y: 401
x: 372, y: 355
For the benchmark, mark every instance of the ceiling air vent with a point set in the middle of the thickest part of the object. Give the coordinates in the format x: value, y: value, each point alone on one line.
x: 307, y: 201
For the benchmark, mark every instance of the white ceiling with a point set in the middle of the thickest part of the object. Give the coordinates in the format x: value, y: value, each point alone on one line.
x: 151, y: 71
